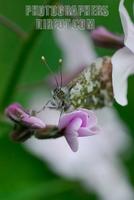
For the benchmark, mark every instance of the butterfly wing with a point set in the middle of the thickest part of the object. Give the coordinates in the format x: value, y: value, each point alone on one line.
x: 92, y: 88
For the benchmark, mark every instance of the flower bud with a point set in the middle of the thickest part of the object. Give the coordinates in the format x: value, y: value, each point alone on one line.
x: 18, y: 115
x: 104, y: 38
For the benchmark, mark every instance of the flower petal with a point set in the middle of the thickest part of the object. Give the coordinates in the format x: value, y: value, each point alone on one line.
x: 123, y: 66
x: 92, y: 119
x: 15, y: 112
x: 83, y: 132
x: 66, y: 118
x: 33, y: 122
x: 72, y: 140
x: 75, y: 124
x: 71, y: 134
x: 128, y: 26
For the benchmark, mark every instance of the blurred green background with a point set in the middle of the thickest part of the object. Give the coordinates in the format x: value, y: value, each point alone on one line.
x: 23, y: 176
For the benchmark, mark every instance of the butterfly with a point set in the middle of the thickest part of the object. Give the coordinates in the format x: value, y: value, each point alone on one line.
x: 90, y: 89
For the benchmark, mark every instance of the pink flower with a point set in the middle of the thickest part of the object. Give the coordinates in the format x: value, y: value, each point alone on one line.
x: 17, y: 114
x: 79, y: 123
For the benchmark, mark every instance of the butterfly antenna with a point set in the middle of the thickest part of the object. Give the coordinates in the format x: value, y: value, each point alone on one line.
x: 43, y: 59
x: 60, y: 68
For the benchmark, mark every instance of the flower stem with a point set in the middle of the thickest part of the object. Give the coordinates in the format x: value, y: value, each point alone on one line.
x: 13, y: 27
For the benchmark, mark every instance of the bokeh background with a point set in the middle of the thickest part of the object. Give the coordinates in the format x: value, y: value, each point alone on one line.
x: 23, y: 175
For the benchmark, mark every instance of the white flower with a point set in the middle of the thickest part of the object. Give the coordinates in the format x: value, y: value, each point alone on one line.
x: 123, y: 59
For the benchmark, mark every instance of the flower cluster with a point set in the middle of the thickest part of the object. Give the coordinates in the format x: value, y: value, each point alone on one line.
x: 79, y: 123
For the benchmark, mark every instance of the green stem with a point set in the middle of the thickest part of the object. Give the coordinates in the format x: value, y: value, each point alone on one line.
x: 13, y: 27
